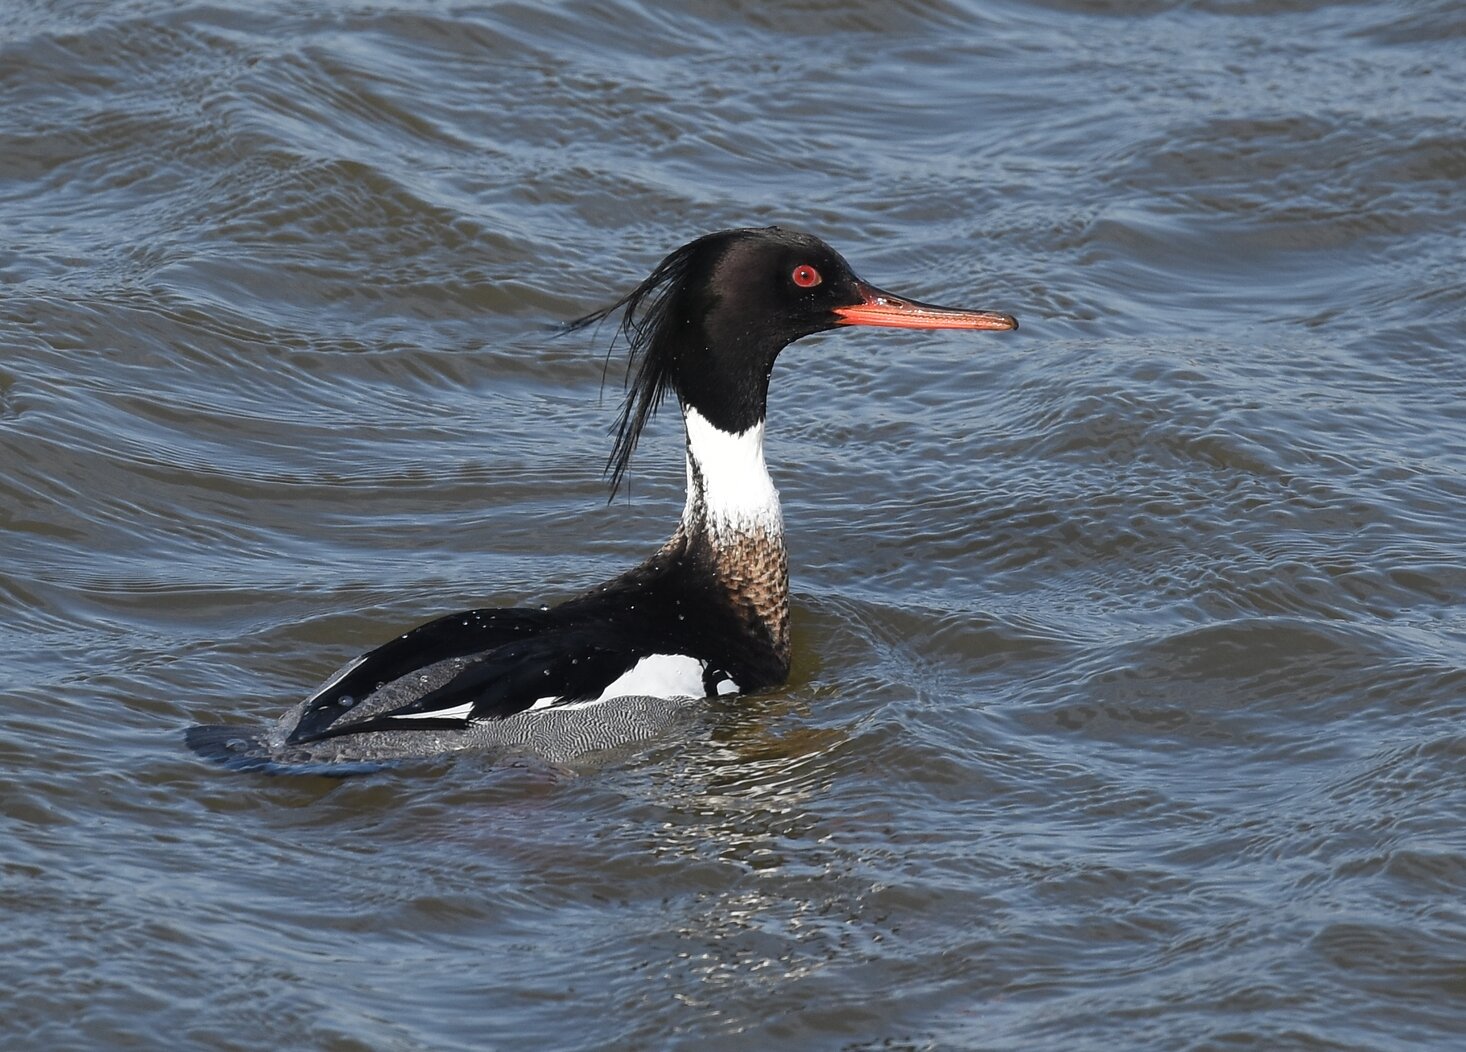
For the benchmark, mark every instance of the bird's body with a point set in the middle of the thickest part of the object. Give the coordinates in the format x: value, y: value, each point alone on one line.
x: 707, y: 615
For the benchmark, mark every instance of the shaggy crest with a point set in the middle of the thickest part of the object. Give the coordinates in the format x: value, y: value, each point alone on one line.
x: 651, y: 363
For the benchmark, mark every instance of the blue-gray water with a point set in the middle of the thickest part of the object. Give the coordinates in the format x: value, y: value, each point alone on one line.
x: 1130, y: 673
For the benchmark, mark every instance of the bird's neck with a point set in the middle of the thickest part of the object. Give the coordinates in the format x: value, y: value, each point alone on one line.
x: 732, y: 514
x: 729, y: 491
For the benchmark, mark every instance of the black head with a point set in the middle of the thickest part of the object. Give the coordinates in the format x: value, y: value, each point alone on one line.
x: 714, y: 315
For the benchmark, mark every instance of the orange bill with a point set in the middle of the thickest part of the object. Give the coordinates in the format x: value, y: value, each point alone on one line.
x: 894, y: 312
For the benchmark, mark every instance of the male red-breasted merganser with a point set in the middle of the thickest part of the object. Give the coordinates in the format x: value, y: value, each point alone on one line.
x: 707, y: 615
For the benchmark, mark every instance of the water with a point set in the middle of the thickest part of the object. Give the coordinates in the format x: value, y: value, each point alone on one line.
x: 1127, y: 707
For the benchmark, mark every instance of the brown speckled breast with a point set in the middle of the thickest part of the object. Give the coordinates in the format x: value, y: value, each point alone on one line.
x: 754, y: 567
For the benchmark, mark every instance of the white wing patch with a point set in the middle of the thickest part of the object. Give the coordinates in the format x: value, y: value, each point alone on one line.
x: 341, y: 674
x: 654, y: 676
x: 455, y: 713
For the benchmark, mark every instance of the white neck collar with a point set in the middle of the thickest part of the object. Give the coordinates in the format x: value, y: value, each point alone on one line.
x: 728, y: 484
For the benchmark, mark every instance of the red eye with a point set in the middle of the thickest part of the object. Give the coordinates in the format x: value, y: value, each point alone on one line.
x: 805, y: 276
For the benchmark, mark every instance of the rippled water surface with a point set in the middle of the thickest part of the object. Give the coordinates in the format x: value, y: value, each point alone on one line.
x: 1130, y: 671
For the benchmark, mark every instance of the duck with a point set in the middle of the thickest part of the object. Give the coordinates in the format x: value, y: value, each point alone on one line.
x: 705, y: 616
